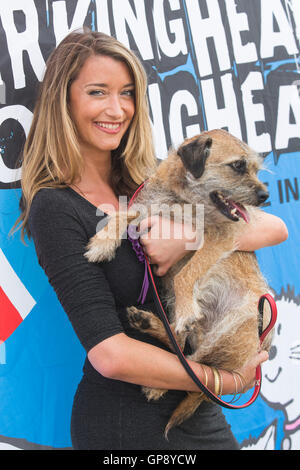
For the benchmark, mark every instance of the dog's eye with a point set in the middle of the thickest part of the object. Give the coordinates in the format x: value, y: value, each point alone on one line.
x: 239, y: 166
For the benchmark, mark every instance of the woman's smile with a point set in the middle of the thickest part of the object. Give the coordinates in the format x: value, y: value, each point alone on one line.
x: 109, y: 127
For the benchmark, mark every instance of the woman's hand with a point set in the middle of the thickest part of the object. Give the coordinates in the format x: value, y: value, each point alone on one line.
x: 165, y: 242
x: 248, y: 374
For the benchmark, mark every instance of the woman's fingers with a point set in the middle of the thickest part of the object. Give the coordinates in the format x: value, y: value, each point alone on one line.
x: 249, y: 370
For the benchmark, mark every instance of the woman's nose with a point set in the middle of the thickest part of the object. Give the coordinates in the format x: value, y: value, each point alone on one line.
x: 114, y: 107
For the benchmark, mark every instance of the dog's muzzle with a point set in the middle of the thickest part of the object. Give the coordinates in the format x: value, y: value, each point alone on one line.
x: 229, y: 208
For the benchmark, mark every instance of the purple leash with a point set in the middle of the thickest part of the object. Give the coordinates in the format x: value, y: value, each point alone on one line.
x: 141, y: 257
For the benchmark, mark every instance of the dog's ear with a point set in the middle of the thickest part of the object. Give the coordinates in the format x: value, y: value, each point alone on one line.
x: 194, y: 155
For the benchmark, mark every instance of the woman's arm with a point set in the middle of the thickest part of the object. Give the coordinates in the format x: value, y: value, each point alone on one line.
x: 123, y: 358
x: 263, y: 230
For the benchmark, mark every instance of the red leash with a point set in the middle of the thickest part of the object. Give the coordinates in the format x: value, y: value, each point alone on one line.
x: 164, y: 319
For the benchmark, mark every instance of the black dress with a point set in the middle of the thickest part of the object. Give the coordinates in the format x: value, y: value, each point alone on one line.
x: 110, y: 414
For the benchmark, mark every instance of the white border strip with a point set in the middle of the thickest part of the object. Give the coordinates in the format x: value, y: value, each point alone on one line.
x: 14, y: 288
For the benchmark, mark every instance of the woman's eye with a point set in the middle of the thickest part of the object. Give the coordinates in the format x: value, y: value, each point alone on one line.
x: 101, y: 93
x: 128, y: 92
x: 96, y: 93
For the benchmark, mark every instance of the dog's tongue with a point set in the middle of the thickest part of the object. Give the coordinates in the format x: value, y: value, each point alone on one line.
x: 242, y: 212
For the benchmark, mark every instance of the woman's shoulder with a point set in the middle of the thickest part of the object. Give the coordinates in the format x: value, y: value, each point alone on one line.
x: 51, y: 199
x: 54, y: 209
x: 51, y: 204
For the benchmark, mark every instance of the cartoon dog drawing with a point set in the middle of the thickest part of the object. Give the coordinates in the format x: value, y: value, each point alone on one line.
x: 281, y: 374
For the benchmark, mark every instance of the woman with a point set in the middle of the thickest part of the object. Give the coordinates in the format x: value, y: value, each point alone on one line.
x: 90, y: 142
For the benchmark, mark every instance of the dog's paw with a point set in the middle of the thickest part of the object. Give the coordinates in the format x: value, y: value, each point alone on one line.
x: 153, y: 393
x: 184, y: 325
x: 138, y: 319
x: 101, y: 249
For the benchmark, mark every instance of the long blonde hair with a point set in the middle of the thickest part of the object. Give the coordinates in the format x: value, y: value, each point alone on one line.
x: 51, y: 156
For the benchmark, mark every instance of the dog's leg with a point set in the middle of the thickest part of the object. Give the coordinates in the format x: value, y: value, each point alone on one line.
x: 187, y: 310
x: 103, y: 245
x: 149, y: 323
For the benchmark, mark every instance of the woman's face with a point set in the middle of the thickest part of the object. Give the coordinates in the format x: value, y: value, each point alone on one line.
x: 102, y: 103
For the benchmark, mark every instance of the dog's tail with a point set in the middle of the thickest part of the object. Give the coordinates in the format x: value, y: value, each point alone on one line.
x: 185, y: 409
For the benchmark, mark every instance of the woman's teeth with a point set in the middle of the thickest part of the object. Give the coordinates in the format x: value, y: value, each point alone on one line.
x: 108, y: 126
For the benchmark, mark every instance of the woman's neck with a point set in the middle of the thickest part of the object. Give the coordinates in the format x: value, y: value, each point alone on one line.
x: 94, y: 184
x: 96, y: 172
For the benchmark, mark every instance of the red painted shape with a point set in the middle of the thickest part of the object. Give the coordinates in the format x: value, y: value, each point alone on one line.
x: 10, y: 318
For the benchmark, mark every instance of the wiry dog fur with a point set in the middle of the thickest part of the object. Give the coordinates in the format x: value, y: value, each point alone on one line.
x: 212, y: 293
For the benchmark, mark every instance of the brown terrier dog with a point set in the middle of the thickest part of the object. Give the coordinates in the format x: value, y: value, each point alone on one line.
x: 213, y: 292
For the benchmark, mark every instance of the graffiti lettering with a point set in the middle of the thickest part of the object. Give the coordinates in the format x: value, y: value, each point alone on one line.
x: 204, y: 71
x: 288, y: 103
x: 254, y: 112
x: 204, y: 28
x: 60, y: 18
x: 227, y: 115
x: 270, y: 39
x: 239, y: 23
x: 27, y: 40
x: 288, y: 190
x: 137, y: 24
x: 23, y: 116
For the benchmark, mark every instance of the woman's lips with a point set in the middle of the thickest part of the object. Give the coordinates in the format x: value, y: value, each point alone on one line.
x: 109, y: 127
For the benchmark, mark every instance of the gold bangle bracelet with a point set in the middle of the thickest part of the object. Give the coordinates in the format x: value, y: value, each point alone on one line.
x: 233, y: 399
x: 216, y: 380
x: 241, y: 379
x: 205, y: 375
x: 239, y: 393
x: 221, y: 383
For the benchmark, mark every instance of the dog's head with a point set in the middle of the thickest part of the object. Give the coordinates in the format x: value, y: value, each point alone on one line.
x: 220, y: 171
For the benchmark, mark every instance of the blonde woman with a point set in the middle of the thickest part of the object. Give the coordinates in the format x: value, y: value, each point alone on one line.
x: 90, y: 142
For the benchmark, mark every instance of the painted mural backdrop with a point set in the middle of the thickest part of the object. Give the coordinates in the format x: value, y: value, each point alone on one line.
x: 230, y: 64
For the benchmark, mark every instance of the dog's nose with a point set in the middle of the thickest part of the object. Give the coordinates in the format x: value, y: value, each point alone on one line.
x: 262, y: 196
